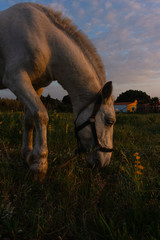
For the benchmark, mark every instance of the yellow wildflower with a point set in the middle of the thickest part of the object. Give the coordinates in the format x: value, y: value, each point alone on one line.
x: 20, y: 132
x: 137, y: 162
x: 0, y: 123
x: 49, y: 127
x: 138, y: 172
x: 67, y: 126
x: 122, y: 168
x: 140, y: 167
x: 135, y: 154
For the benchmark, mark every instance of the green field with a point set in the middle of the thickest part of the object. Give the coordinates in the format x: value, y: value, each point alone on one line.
x: 120, y: 202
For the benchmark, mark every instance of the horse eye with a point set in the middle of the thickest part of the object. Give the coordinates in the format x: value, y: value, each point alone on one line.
x: 109, y: 122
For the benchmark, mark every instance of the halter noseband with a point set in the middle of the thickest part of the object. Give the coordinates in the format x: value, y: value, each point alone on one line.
x: 92, y: 122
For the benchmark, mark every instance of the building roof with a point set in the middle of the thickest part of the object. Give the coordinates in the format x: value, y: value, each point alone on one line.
x: 125, y: 103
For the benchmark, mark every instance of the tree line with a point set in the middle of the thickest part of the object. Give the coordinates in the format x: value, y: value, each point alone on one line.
x: 50, y: 103
x: 66, y: 106
x: 140, y: 96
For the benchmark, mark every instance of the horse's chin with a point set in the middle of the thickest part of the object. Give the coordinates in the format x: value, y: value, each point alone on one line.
x: 99, y: 159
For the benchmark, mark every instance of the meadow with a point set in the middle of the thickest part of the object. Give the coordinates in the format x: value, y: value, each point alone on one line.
x: 120, y: 202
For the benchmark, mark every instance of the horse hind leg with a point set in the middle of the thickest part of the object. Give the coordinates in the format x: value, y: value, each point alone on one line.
x: 20, y: 84
x: 27, y: 142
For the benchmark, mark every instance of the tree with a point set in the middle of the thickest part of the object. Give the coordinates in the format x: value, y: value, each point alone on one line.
x: 67, y: 102
x: 155, y: 101
x: 155, y: 104
x: 132, y: 95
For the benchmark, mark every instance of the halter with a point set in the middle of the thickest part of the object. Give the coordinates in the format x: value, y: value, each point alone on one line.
x: 92, y: 122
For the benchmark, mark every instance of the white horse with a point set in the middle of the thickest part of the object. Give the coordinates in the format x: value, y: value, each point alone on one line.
x: 38, y: 46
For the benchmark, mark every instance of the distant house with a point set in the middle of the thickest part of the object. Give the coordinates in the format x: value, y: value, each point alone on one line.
x: 147, y: 107
x: 144, y: 108
x: 126, y: 106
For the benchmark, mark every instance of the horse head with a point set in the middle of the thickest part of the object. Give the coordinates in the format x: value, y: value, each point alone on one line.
x: 94, y: 127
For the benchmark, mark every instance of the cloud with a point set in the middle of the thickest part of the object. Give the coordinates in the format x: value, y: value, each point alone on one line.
x: 60, y: 8
x: 111, y: 16
x: 108, y: 5
x: 134, y: 5
x: 130, y: 46
x: 81, y: 12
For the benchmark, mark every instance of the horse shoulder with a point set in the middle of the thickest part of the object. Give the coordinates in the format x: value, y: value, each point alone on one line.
x: 24, y: 40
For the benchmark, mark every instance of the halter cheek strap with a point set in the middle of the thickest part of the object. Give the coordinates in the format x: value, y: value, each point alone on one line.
x: 92, y: 122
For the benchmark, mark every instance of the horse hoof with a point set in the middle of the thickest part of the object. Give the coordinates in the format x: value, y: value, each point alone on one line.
x: 38, y: 167
x: 39, y: 171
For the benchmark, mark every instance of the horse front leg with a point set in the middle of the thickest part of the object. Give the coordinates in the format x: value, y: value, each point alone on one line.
x: 20, y: 84
x: 37, y: 158
x: 27, y: 142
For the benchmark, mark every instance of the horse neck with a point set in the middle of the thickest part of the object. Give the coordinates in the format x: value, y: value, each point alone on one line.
x: 82, y: 92
x: 75, y: 72
x: 81, y: 88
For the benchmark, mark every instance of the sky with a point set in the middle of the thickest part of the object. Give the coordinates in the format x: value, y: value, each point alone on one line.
x: 126, y: 34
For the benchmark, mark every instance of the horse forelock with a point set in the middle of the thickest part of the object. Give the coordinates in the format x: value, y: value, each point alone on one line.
x: 66, y: 25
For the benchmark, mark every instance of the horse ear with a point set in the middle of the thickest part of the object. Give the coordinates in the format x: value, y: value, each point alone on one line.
x: 107, y: 90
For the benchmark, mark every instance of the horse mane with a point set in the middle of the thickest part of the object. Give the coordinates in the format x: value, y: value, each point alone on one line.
x: 78, y: 36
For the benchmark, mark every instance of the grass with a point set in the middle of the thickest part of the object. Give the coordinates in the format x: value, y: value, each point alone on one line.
x: 120, y: 202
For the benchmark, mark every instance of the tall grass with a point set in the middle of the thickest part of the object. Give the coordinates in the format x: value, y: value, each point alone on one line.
x: 76, y: 202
